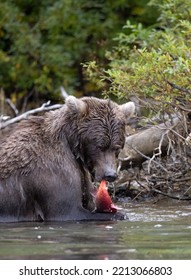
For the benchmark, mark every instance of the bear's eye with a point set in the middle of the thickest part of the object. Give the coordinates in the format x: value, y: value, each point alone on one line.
x: 103, y: 145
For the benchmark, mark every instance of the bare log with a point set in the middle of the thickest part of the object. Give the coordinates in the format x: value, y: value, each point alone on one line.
x: 147, y: 144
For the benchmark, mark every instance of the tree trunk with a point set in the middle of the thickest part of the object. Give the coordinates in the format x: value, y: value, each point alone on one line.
x: 153, y: 141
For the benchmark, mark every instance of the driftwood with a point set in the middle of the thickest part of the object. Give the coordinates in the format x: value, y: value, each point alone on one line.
x: 6, y: 121
x: 44, y: 107
x: 148, y: 143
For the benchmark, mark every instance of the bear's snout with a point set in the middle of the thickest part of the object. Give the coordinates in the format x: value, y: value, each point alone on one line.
x: 105, y: 168
x: 110, y: 176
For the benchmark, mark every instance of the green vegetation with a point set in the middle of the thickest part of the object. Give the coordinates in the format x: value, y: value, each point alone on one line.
x: 151, y: 62
x: 43, y: 43
x: 82, y: 46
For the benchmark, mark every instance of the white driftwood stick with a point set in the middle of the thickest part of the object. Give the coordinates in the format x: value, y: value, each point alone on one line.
x: 44, y: 107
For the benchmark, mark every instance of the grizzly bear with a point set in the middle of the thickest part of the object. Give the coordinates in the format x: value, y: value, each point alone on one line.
x: 47, y: 163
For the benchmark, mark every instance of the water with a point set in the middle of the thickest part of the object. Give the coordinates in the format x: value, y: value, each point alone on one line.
x: 161, y: 231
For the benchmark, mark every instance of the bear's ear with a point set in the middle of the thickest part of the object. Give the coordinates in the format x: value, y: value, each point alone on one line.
x: 128, y: 109
x: 75, y: 104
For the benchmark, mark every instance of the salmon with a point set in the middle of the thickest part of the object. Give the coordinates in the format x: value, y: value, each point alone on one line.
x: 103, y: 200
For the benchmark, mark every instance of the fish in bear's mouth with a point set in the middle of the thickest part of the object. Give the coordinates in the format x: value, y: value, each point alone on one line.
x: 103, y: 201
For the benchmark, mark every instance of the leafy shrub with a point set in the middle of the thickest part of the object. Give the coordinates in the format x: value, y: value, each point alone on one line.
x: 151, y: 62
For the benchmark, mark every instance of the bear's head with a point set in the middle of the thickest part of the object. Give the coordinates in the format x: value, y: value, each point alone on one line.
x: 97, y: 133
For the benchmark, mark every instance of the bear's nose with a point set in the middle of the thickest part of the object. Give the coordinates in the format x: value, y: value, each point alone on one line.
x: 110, y: 176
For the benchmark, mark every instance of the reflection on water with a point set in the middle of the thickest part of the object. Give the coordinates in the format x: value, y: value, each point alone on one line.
x: 152, y: 232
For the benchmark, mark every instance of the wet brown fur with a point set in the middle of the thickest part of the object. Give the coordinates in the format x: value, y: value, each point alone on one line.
x: 46, y: 162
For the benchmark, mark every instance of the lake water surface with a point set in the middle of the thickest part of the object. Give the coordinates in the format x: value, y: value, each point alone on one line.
x: 153, y: 231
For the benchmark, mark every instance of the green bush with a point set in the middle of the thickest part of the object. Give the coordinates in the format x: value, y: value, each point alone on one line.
x: 43, y: 43
x: 151, y: 62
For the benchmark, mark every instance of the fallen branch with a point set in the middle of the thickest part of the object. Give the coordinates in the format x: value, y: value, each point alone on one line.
x: 44, y: 107
x: 178, y: 87
x: 147, y: 144
x: 64, y: 94
x: 12, y: 106
x: 171, y: 196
